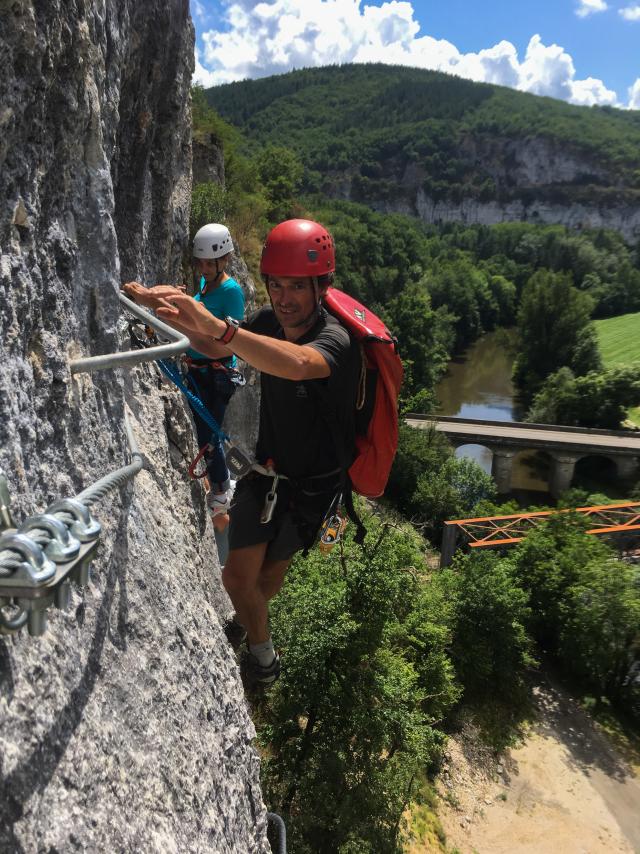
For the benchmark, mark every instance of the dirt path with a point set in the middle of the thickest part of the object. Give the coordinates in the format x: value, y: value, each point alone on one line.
x: 566, y: 789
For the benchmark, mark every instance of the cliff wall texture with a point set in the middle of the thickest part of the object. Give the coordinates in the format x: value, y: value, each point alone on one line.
x: 124, y: 726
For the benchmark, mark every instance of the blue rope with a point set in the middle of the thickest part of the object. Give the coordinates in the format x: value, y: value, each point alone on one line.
x: 174, y: 375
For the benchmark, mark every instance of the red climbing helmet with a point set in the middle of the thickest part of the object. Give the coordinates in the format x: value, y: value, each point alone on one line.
x: 298, y: 247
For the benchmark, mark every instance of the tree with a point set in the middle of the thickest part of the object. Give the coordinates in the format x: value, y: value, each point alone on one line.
x: 419, y: 452
x: 280, y: 173
x: 547, y: 564
x: 450, y: 492
x: 426, y: 336
x: 554, y: 331
x: 600, y: 636
x: 348, y: 728
x: 208, y: 204
x: 599, y: 399
x: 491, y: 649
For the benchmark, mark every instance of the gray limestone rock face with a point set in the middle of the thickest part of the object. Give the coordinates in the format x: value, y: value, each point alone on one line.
x: 208, y: 161
x: 124, y: 727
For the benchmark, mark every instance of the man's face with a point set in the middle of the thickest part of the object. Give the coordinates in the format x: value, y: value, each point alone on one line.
x: 294, y: 302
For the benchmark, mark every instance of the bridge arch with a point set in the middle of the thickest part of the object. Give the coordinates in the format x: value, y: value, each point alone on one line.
x: 599, y: 466
x: 479, y: 453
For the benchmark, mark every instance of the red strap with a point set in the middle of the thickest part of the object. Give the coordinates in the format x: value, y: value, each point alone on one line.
x: 196, y: 460
x: 218, y: 366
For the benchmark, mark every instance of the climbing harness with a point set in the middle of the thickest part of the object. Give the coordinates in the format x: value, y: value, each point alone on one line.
x: 238, y: 461
x: 235, y: 376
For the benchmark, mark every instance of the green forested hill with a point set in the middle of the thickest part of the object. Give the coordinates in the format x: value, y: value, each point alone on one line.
x: 389, y: 129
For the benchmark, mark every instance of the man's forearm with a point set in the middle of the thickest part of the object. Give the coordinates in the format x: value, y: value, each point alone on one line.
x: 272, y: 355
x: 284, y: 359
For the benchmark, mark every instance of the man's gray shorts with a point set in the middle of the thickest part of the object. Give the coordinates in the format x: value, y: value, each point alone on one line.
x: 294, y: 524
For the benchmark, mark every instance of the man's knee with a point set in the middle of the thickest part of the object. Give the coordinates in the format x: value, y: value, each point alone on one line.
x: 243, y: 567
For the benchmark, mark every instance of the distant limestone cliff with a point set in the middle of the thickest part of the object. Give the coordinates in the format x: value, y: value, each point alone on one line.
x: 446, y: 149
x: 124, y: 726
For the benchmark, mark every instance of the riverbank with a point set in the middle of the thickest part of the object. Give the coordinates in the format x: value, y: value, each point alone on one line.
x: 565, y: 787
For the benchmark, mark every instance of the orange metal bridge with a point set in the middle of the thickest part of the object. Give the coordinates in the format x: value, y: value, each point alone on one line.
x: 504, y: 531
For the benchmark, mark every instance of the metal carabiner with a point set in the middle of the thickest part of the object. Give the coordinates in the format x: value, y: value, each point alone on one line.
x: 270, y: 502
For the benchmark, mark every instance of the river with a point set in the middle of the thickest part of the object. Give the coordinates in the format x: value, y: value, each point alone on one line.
x: 478, y: 385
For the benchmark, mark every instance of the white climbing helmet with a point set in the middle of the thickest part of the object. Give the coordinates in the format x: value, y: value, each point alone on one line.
x: 212, y: 241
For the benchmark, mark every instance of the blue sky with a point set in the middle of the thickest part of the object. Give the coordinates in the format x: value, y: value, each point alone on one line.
x: 582, y: 51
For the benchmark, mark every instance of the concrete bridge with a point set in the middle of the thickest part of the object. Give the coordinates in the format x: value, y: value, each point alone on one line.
x: 565, y: 445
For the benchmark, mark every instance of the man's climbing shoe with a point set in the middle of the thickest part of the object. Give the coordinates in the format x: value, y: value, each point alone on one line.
x: 235, y: 632
x: 256, y: 673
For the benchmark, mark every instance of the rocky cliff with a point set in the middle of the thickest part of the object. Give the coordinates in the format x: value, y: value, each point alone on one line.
x: 124, y: 726
x: 534, y: 179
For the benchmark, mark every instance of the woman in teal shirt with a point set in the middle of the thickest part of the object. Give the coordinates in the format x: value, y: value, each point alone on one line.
x: 213, y: 380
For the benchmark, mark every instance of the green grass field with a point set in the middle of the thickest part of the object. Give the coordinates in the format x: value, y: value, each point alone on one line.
x: 619, y: 340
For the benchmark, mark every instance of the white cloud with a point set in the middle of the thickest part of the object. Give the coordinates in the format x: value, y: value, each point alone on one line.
x: 634, y: 95
x: 276, y: 36
x: 547, y: 70
x: 592, y: 91
x: 203, y: 76
x: 630, y: 13
x: 590, y: 7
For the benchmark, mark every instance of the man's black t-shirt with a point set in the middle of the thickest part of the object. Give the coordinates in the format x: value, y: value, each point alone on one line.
x: 293, y: 433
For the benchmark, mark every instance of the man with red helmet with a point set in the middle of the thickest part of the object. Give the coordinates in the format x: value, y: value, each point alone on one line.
x: 307, y: 362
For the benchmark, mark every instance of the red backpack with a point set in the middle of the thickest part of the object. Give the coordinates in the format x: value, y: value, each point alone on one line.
x: 377, y: 424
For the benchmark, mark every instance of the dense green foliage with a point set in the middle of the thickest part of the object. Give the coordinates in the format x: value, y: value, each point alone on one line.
x: 597, y: 399
x: 378, y: 653
x: 491, y: 648
x: 585, y: 606
x: 428, y: 484
x: 599, y: 263
x: 554, y: 330
x: 280, y: 174
x: 376, y: 125
x: 352, y: 721
x: 439, y: 289
x: 372, y: 644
